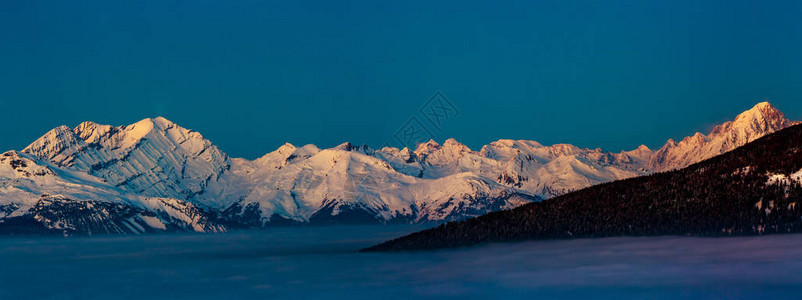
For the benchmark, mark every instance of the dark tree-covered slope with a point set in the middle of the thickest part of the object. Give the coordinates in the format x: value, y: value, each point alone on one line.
x: 726, y: 195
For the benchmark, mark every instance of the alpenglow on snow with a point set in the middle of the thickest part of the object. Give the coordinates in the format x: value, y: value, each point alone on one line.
x: 154, y: 175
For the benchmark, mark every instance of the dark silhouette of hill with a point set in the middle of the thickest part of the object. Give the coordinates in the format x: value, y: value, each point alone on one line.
x: 723, y: 196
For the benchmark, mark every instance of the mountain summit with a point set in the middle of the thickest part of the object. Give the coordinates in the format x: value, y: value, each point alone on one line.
x: 748, y: 126
x: 152, y: 157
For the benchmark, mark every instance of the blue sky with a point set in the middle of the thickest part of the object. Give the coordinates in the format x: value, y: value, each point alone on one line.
x: 252, y: 75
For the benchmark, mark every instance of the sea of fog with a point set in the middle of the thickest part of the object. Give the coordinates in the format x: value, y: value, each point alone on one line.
x: 322, y: 262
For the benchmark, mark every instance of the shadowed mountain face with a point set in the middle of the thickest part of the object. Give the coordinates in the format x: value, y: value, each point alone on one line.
x: 166, y: 177
x: 755, y: 189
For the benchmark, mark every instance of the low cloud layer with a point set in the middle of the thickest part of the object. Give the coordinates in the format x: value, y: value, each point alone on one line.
x: 321, y: 262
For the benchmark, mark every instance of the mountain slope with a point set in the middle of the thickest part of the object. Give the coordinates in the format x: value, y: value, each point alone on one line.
x: 754, y: 189
x: 39, y: 197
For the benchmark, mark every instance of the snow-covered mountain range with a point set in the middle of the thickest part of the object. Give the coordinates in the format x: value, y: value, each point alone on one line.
x: 154, y: 175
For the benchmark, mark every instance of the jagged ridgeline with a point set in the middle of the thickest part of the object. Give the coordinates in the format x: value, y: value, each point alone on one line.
x: 155, y: 175
x: 755, y: 189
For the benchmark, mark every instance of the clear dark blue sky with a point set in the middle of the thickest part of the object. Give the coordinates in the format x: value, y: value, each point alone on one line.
x: 251, y: 75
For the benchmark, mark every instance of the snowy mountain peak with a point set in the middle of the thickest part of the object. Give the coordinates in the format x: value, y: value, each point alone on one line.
x: 59, y: 133
x: 455, y: 146
x: 57, y: 145
x: 764, y: 105
x: 286, y: 154
x: 91, y: 132
x: 405, y: 151
x: 639, y: 156
x: 764, y: 108
x: 152, y: 157
x: 287, y: 147
x: 163, y: 122
x: 564, y: 149
x: 347, y: 146
x: 137, y: 131
x: 429, y: 144
x: 449, y: 154
x: 424, y: 149
x: 697, y: 139
x: 452, y: 142
x: 758, y: 121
